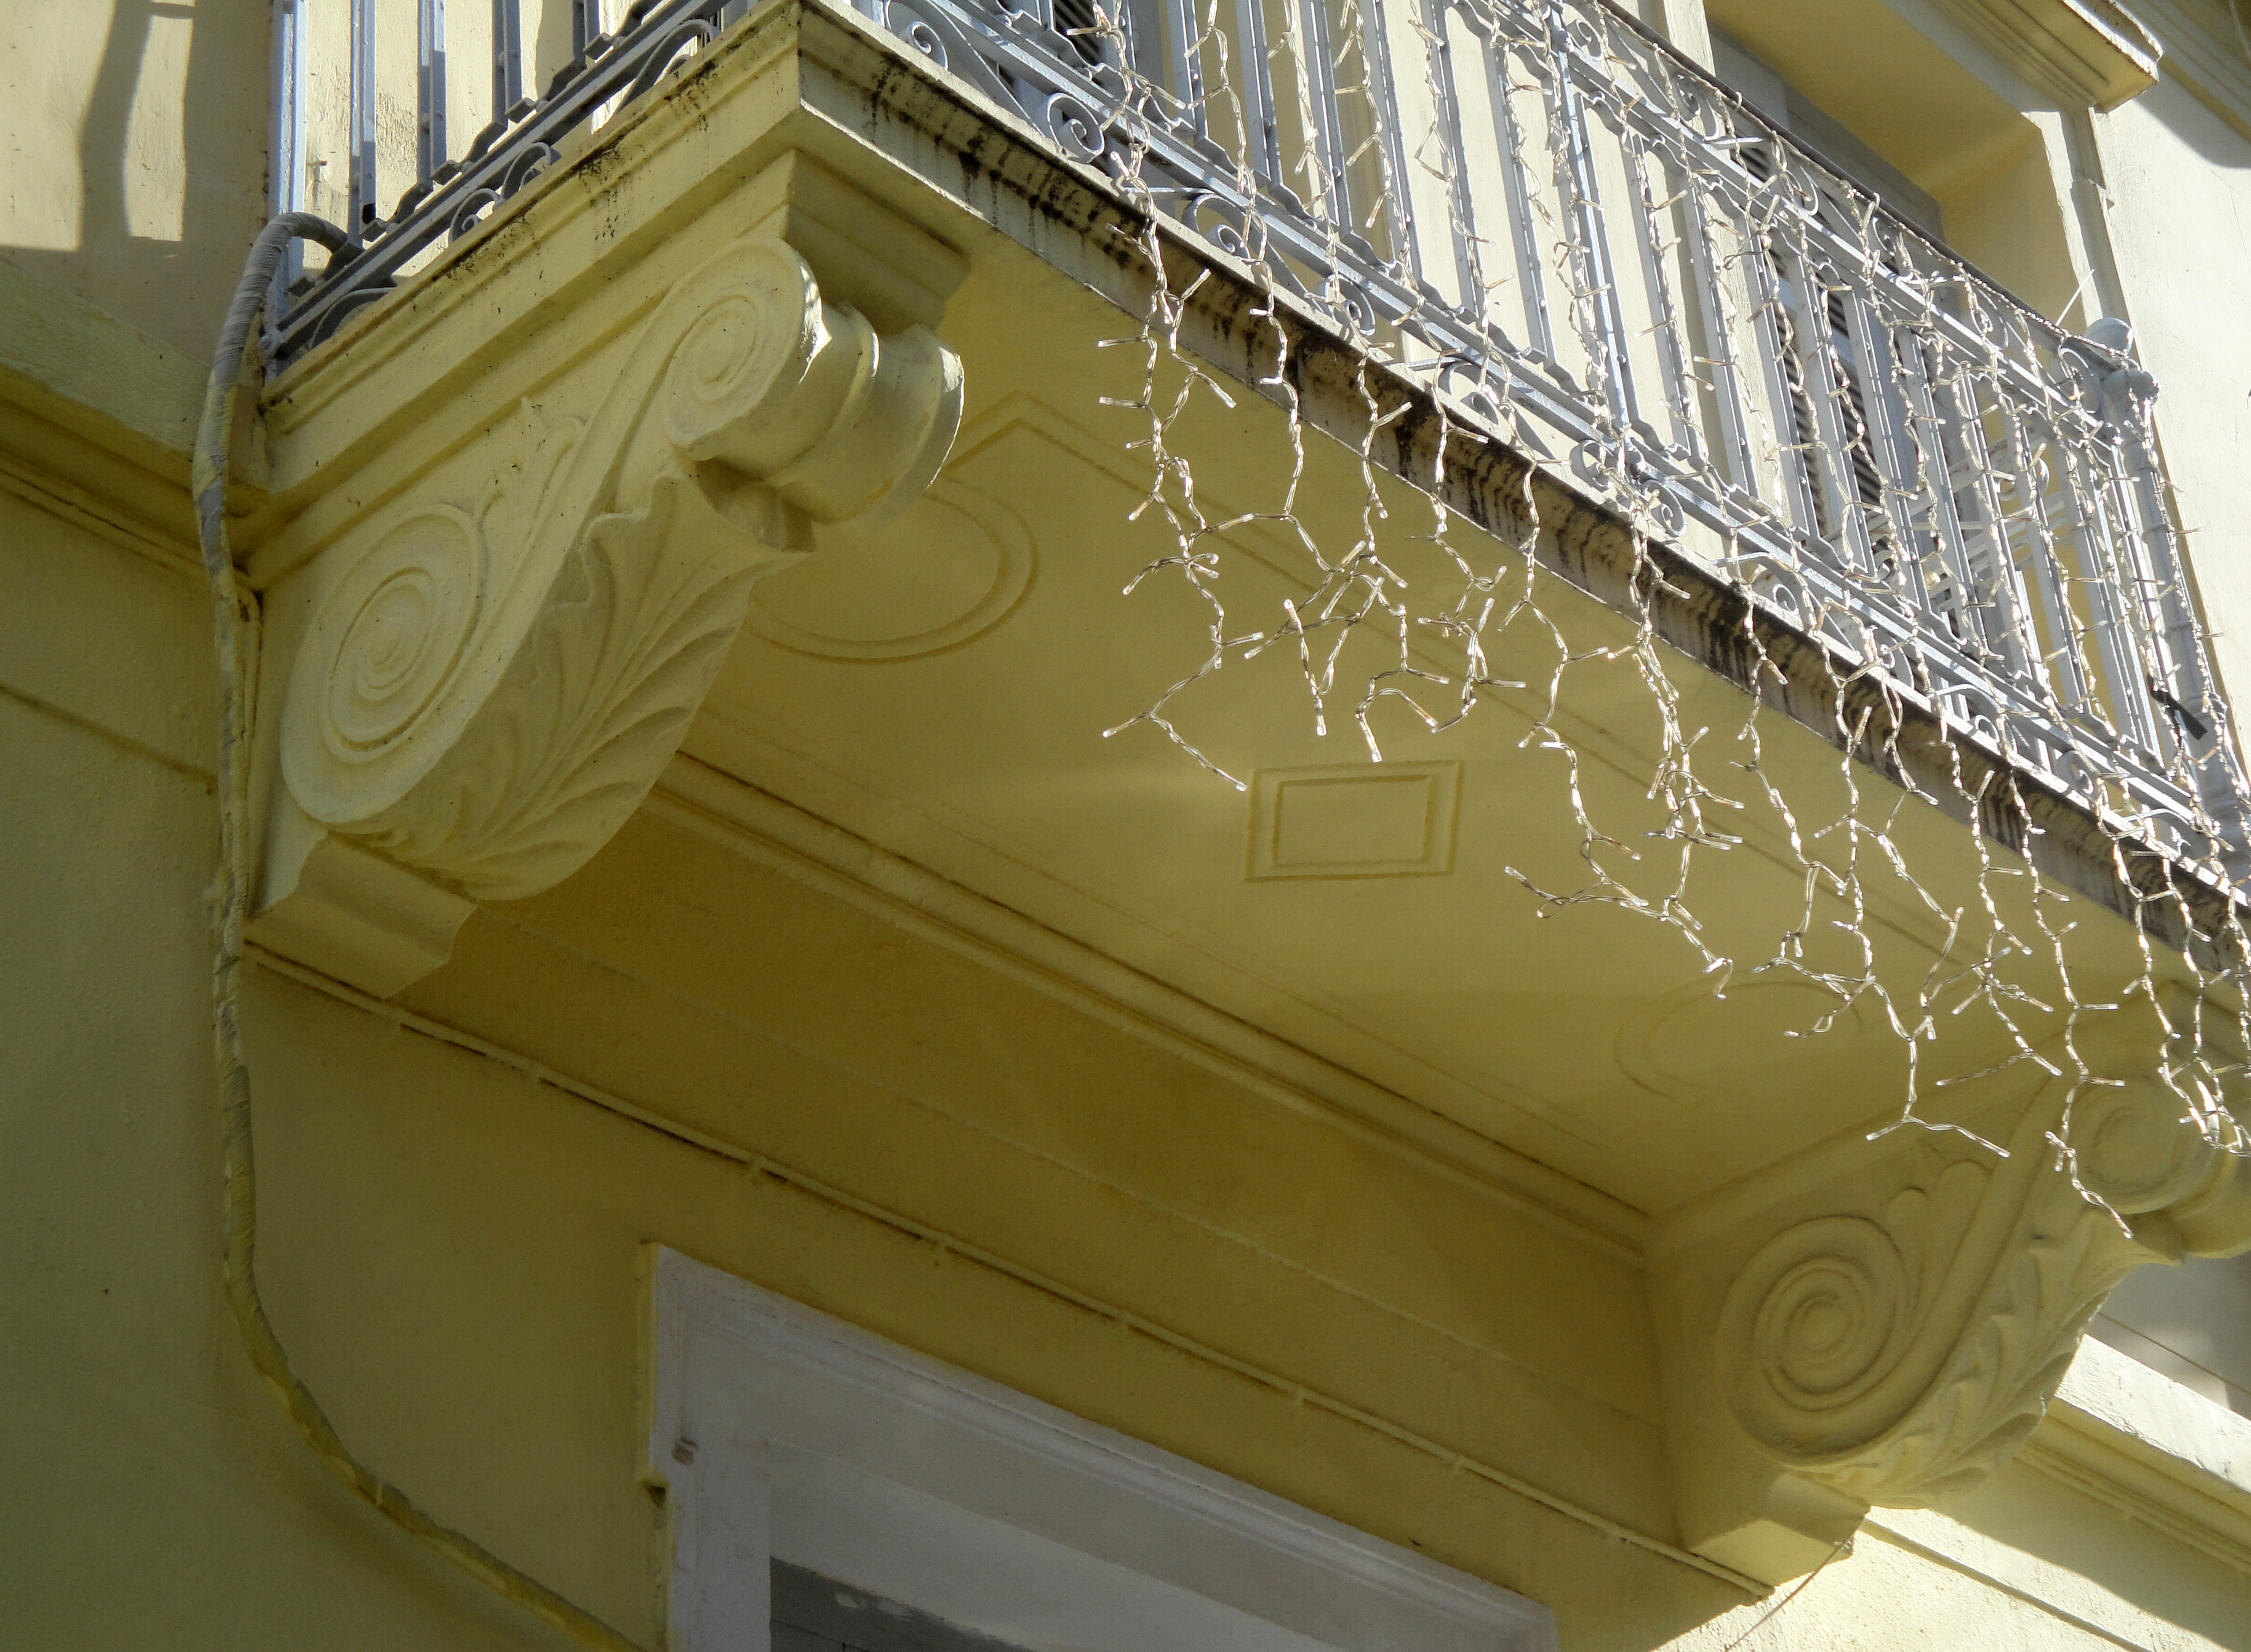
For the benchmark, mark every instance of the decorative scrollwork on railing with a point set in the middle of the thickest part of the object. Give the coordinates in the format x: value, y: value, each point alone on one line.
x: 1977, y: 489
x: 521, y: 144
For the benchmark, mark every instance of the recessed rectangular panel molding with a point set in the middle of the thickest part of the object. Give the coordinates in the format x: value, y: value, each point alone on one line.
x: 1356, y: 820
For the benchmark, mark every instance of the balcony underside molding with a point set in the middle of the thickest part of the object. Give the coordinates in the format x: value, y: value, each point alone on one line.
x: 2092, y: 51
x: 1270, y: 343
x: 1231, y: 322
x: 526, y: 500
x: 485, y: 676
x: 1891, y: 1326
x: 862, y: 103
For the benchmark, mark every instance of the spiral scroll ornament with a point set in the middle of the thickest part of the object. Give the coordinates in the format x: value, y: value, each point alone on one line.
x: 734, y: 367
x: 402, y: 622
x: 489, y: 688
x: 2137, y: 1150
x: 1819, y: 1317
x: 1899, y: 1357
x: 1077, y: 129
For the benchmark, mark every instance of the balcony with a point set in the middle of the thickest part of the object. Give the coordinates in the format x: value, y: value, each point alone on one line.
x: 1590, y: 250
x: 1738, y: 440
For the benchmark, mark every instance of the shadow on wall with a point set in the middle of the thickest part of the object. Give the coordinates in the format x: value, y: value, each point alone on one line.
x: 170, y: 155
x: 2070, y: 1551
x: 2216, y: 136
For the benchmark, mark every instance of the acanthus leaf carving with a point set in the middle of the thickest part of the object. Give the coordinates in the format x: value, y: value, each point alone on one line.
x: 1899, y: 1357
x: 629, y: 646
x: 1894, y: 1340
x: 489, y: 688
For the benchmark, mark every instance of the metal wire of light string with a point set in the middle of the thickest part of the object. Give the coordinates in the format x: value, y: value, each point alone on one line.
x: 1988, y: 382
x: 235, y: 619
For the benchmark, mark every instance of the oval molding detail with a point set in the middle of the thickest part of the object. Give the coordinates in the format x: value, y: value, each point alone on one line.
x: 953, y: 566
x: 1660, y: 1048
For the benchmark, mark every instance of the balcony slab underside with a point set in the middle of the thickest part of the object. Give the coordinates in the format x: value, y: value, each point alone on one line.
x: 937, y: 688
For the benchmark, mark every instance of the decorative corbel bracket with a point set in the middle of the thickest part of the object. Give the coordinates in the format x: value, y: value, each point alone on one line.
x: 1888, y: 1325
x: 492, y: 673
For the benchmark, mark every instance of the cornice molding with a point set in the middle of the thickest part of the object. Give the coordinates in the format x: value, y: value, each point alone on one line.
x: 2091, y: 52
x: 52, y: 461
x: 799, y: 845
x: 96, y: 419
x: 2156, y: 1452
x: 148, y: 392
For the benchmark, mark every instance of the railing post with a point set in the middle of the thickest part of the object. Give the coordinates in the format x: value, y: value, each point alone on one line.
x: 361, y: 208
x: 508, y: 56
x: 430, y: 88
x: 1594, y: 305
x: 2197, y: 717
x: 1931, y: 488
x: 286, y: 142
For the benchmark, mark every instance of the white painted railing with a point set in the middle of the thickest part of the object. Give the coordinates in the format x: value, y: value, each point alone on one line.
x: 375, y: 97
x: 1576, y: 234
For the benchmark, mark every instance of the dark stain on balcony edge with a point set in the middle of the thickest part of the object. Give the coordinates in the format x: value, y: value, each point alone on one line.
x: 1236, y: 323
x: 1076, y: 218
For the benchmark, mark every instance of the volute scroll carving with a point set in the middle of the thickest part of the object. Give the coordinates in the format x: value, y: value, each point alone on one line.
x: 1901, y: 1357
x: 1899, y: 1344
x: 490, y: 684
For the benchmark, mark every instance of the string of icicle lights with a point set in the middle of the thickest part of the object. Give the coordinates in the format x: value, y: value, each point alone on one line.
x: 1572, y: 243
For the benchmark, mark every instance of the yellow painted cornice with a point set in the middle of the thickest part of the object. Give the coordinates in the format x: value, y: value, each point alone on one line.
x: 2152, y: 1449
x: 2092, y: 51
x: 96, y: 419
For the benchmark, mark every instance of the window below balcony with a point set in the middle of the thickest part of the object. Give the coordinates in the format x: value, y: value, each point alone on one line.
x: 802, y: 1452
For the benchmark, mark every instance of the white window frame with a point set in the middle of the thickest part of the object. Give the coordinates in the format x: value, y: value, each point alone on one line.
x: 781, y: 1432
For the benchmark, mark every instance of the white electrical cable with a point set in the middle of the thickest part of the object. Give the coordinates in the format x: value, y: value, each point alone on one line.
x: 234, y: 614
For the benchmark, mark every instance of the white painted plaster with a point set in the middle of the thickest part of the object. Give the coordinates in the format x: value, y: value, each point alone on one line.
x: 781, y: 1432
x: 2161, y: 1415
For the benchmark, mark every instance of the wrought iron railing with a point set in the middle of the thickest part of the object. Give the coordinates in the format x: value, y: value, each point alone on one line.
x: 1585, y: 241
x: 370, y: 93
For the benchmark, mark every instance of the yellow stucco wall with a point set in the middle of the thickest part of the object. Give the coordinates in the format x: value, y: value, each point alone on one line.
x: 686, y: 1045
x: 2178, y: 181
x: 133, y: 138
x: 893, y: 1134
